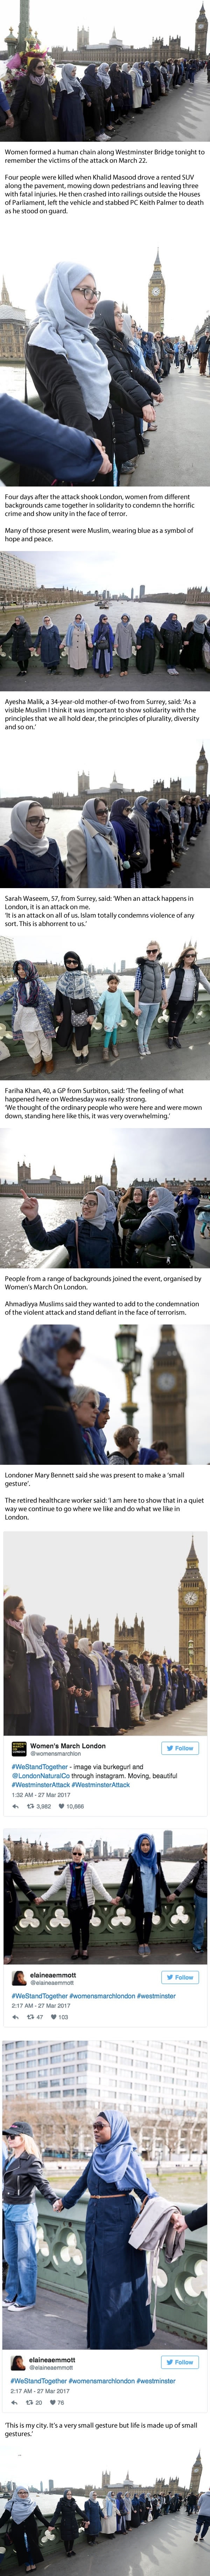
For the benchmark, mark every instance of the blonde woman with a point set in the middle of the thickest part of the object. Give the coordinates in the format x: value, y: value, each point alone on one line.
x: 23, y: 2175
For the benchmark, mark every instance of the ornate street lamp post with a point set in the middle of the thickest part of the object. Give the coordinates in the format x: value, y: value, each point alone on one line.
x: 130, y: 1360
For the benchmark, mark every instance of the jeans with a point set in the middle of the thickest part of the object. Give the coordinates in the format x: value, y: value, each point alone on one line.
x: 144, y: 1022
x: 203, y: 2525
x: 110, y: 1033
x: 200, y: 1904
x: 20, y: 2253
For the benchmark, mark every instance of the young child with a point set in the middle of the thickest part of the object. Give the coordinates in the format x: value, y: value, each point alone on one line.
x: 114, y: 999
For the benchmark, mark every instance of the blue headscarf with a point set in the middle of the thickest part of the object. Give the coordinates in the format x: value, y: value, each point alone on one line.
x: 119, y: 2160
x: 31, y: 978
x: 149, y: 1857
x: 99, y: 1437
x: 145, y: 629
x: 102, y: 864
x: 169, y: 622
x: 40, y: 1348
x: 71, y: 629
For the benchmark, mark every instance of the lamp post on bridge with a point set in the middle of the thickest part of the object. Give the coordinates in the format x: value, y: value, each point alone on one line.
x: 130, y: 1359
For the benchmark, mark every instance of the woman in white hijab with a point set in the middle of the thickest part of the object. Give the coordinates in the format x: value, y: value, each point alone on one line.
x: 69, y: 369
x: 29, y: 858
x: 23, y: 2515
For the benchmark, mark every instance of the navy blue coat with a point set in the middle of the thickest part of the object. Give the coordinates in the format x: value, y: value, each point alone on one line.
x: 118, y: 2316
x: 33, y: 871
x: 45, y: 1419
x: 44, y: 450
x: 49, y: 639
x: 94, y: 1247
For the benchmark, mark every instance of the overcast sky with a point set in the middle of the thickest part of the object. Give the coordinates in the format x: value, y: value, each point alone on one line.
x: 60, y: 1580
x: 99, y: 1368
x: 120, y: 256
x: 138, y: 1151
x: 137, y: 752
x: 55, y: 28
x: 126, y: 565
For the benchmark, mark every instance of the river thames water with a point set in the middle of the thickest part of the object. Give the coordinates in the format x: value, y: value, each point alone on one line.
x: 15, y: 1251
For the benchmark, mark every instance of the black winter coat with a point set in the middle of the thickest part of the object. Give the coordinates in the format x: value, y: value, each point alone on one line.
x: 132, y: 1877
x: 127, y: 392
x: 16, y: 1691
x: 33, y: 111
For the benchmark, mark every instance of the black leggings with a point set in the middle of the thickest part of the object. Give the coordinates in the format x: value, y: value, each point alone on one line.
x: 143, y: 1922
x: 176, y: 1021
x: 79, y: 1917
x: 204, y: 2525
x: 124, y: 664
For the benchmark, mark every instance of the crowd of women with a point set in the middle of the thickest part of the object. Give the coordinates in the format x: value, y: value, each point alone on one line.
x: 54, y: 1418
x: 140, y: 1891
x: 111, y: 1231
x: 123, y: 2232
x: 80, y: 105
x: 124, y: 847
x: 100, y: 2517
x: 41, y: 1020
x: 58, y: 1683
x: 177, y: 646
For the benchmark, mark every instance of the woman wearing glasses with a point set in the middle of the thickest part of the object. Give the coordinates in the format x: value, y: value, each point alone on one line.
x: 68, y: 368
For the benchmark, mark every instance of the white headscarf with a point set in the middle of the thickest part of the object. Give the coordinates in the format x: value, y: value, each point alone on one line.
x: 61, y: 327
x: 103, y: 74
x: 33, y: 1631
x: 19, y: 828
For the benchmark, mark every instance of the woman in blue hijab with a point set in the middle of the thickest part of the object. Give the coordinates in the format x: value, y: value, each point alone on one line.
x: 118, y: 2313
x: 171, y: 640
x: 145, y: 645
x: 99, y: 1435
x: 143, y: 1876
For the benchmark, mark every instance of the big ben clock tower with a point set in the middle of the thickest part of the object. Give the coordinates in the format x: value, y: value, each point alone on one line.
x: 168, y: 1392
x: 192, y: 1614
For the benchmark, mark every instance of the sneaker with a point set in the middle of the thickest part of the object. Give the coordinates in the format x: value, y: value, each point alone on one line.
x: 146, y: 1050
x: 141, y: 1950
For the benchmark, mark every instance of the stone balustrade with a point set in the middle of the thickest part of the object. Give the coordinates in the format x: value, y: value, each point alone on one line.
x: 49, y: 1924
x: 182, y: 2286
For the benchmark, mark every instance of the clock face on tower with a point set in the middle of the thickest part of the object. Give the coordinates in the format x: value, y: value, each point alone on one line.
x: 166, y: 1380
x: 191, y: 1600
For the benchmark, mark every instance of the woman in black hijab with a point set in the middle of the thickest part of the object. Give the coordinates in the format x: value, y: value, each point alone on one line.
x: 92, y: 102
x: 74, y: 1008
x: 127, y: 392
x: 68, y: 2514
x: 126, y: 832
x: 117, y: 92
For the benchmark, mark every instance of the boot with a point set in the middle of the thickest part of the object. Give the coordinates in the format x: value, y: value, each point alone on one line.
x: 49, y: 1068
x: 37, y: 1068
